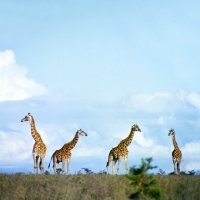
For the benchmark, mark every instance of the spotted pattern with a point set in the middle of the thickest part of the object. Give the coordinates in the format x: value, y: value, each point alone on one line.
x: 64, y: 154
x: 176, y: 153
x: 39, y: 148
x: 120, y: 151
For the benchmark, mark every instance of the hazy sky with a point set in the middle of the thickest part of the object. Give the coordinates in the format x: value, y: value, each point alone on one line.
x: 101, y: 66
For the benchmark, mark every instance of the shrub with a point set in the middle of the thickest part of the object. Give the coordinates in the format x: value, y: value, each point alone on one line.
x: 144, y: 183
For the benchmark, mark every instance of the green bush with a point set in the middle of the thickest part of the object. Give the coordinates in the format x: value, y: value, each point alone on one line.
x: 144, y: 183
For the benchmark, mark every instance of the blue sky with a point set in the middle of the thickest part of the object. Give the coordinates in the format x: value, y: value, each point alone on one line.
x: 102, y: 67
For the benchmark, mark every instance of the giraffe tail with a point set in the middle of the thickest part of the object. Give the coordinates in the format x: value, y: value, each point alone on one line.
x: 50, y: 162
x: 109, y: 155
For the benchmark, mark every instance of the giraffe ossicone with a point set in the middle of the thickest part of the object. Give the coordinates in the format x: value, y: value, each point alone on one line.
x: 121, y: 152
x: 176, y: 153
x: 39, y: 148
x: 64, y: 154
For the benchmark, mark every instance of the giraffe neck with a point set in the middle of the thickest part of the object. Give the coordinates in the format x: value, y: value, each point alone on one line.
x: 174, y: 142
x: 36, y: 136
x: 127, y: 141
x: 72, y: 144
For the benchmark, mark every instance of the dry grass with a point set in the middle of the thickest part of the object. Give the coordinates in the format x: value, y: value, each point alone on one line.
x: 86, y: 187
x: 183, y: 187
x: 73, y: 187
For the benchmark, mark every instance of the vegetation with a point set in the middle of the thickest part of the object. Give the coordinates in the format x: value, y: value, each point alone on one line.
x: 91, y: 187
x: 86, y: 184
x: 143, y: 182
x: 73, y: 187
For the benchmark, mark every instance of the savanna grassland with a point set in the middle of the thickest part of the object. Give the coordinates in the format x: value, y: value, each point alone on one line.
x: 91, y: 187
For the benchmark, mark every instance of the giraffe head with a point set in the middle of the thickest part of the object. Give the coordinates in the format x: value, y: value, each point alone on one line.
x: 27, y: 118
x: 80, y: 132
x: 171, y: 132
x: 135, y: 127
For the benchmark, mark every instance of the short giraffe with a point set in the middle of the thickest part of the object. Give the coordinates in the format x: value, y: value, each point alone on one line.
x: 176, y: 153
x: 64, y: 154
x: 39, y: 148
x: 120, y: 151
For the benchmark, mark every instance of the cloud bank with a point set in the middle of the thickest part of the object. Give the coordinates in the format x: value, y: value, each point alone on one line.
x: 14, y: 85
x: 162, y: 102
x: 106, y: 129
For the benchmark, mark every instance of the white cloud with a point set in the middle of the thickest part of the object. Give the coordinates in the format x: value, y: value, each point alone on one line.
x: 153, y: 103
x: 191, y: 98
x: 191, y: 150
x: 181, y: 95
x: 162, y: 102
x: 7, y: 58
x: 90, y: 146
x: 88, y: 151
x: 161, y: 120
x: 15, y: 147
x: 192, y: 166
x: 161, y: 155
x: 144, y: 142
x: 160, y: 151
x: 14, y: 85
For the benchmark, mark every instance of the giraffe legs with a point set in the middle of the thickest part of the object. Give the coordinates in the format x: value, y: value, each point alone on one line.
x: 108, y: 164
x: 41, y: 165
x: 114, y: 161
x: 68, y: 164
x: 54, y: 164
x: 110, y: 159
x: 63, y: 160
x: 174, y: 161
x: 177, y: 163
x: 113, y: 166
x: 126, y: 163
x: 63, y: 166
x: 118, y: 166
x: 35, y: 159
x: 178, y: 166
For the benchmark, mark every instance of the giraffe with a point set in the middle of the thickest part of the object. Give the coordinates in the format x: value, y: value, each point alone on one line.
x: 176, y: 153
x: 39, y: 148
x: 64, y: 154
x: 120, y: 151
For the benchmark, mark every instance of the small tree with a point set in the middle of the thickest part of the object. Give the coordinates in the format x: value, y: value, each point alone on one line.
x: 192, y: 172
x: 144, y: 183
x: 161, y: 172
x: 47, y: 172
x: 172, y: 173
x: 88, y: 171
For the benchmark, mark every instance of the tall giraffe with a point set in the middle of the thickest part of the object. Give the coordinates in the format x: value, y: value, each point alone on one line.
x: 39, y: 148
x: 176, y: 153
x: 64, y: 154
x: 121, y: 152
